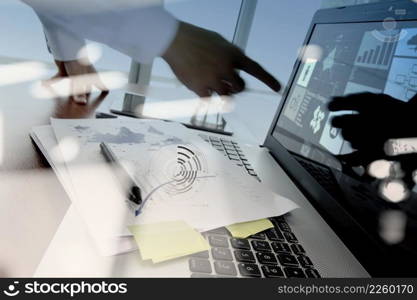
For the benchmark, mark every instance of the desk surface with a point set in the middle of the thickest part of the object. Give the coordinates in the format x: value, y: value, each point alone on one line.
x: 33, y: 205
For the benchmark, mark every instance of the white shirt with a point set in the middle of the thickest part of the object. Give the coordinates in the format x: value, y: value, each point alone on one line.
x: 140, y: 31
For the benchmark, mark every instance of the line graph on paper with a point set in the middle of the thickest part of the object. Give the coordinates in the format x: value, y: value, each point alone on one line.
x: 176, y: 174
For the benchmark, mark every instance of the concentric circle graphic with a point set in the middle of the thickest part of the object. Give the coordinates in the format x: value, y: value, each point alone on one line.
x: 184, y: 172
x: 178, y: 170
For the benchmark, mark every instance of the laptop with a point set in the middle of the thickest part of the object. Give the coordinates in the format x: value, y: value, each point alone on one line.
x: 339, y: 229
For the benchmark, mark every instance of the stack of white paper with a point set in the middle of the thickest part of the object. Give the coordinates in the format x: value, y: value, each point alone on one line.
x: 181, y: 178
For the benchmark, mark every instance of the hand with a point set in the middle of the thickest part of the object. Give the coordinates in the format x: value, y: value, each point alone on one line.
x: 205, y: 62
x: 379, y: 118
x: 80, y: 86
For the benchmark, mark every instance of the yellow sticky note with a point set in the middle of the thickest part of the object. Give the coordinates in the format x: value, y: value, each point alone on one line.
x: 167, y: 240
x: 245, y: 229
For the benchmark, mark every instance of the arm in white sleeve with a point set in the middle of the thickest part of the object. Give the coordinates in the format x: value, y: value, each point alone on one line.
x: 63, y: 44
x: 141, y: 32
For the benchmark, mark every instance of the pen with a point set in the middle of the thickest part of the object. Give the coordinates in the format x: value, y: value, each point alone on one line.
x: 134, y: 192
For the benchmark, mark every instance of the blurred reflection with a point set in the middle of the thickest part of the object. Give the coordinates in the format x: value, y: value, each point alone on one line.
x: 310, y: 52
x: 205, y: 114
x: 90, y: 54
x: 74, y: 86
x: 21, y: 72
x: 394, y: 190
x: 82, y: 78
x: 66, y: 150
x: 392, y: 224
x: 67, y: 109
x: 209, y: 114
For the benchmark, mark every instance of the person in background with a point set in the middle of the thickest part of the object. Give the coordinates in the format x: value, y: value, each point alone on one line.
x: 202, y: 60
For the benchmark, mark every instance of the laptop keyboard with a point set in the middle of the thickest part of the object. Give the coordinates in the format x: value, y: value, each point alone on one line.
x: 231, y: 150
x: 323, y: 176
x: 274, y: 253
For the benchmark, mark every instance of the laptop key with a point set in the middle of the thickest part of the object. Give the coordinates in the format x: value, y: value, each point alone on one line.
x: 258, y: 236
x: 199, y: 265
x: 266, y: 258
x: 294, y: 273
x: 232, y: 154
x: 281, y: 247
x: 312, y: 273
x: 276, y: 221
x: 226, y: 141
x: 279, y: 219
x: 284, y: 226
x: 261, y: 245
x: 290, y: 237
x: 252, y: 172
x: 240, y: 243
x: 218, y: 241
x: 221, y: 253
x: 244, y: 256
x: 228, y: 145
x: 204, y: 254
x: 305, y: 261
x: 225, y: 268
x: 279, y: 234
x: 287, y: 260
x: 297, y: 249
x: 273, y: 236
x: 249, y: 270
x: 272, y: 271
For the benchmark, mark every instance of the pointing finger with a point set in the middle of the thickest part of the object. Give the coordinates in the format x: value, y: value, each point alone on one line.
x: 253, y: 68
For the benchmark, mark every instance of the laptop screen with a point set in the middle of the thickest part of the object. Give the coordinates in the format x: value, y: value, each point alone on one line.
x: 341, y: 59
